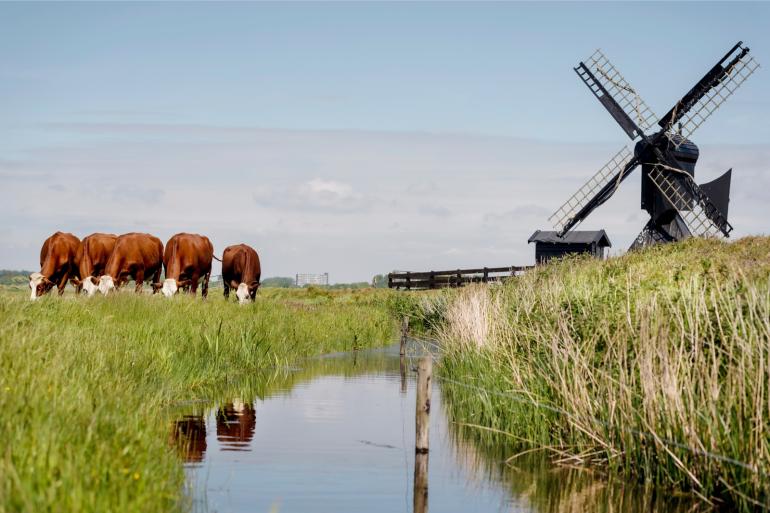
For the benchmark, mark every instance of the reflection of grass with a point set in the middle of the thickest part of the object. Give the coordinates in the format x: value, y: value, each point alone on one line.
x: 86, y: 385
x: 534, y: 480
x: 673, y: 341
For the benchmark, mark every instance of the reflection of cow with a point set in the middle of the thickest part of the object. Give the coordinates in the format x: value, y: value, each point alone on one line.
x: 95, y: 253
x: 241, y: 271
x: 58, y: 263
x: 235, y: 425
x: 187, y: 259
x: 189, y: 435
x: 136, y: 255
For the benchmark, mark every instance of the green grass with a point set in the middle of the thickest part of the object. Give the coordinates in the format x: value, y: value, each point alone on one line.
x: 673, y: 341
x: 88, y: 387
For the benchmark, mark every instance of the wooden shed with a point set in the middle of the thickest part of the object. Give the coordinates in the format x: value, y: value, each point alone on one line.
x: 548, y: 245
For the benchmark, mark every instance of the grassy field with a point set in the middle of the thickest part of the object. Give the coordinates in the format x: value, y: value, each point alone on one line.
x: 624, y: 364
x: 88, y: 387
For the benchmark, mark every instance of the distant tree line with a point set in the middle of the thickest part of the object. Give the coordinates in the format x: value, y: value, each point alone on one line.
x: 10, y: 277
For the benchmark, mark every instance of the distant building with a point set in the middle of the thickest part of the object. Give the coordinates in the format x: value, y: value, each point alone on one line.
x: 312, y: 279
x: 548, y: 245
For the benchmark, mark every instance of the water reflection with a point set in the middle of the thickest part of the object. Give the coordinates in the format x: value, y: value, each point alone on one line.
x: 235, y: 425
x: 189, y: 435
x: 337, y: 434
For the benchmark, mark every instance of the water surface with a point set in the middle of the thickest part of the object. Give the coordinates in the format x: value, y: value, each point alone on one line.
x: 336, y: 434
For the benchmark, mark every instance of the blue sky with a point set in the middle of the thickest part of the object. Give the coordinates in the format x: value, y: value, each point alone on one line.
x: 349, y: 138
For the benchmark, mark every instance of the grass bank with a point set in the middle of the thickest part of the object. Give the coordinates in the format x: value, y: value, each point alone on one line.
x: 654, y: 365
x: 87, y: 385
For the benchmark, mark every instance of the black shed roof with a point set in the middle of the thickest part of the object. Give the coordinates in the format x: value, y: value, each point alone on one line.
x: 599, y: 236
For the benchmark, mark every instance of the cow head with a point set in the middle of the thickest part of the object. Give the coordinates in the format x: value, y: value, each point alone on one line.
x: 91, y: 285
x: 172, y: 286
x: 106, y: 284
x: 246, y: 292
x: 38, y: 285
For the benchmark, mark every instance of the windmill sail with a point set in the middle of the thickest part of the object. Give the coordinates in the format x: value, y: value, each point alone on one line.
x: 616, y: 94
x: 594, y: 192
x: 708, y: 94
x: 702, y: 217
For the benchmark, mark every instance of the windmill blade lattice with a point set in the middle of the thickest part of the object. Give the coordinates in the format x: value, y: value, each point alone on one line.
x: 562, y: 217
x: 620, y: 90
x: 712, y: 99
x: 701, y: 216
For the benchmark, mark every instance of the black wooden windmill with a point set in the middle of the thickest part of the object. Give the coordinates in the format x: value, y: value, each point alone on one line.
x: 678, y: 207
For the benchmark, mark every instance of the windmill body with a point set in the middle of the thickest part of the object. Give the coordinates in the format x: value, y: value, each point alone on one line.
x: 678, y: 207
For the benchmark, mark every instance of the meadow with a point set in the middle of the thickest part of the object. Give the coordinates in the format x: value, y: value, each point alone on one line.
x: 89, y: 386
x: 653, y: 366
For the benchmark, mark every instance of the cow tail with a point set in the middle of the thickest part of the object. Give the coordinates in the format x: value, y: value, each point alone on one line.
x: 216, y: 258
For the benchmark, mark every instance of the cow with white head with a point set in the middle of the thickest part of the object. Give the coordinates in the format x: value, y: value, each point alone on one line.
x: 137, y: 256
x: 187, y: 260
x: 59, y: 258
x: 241, y: 271
x: 94, y: 254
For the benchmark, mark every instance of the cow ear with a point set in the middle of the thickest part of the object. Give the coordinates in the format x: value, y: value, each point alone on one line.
x: 95, y: 280
x: 157, y: 286
x: 77, y: 282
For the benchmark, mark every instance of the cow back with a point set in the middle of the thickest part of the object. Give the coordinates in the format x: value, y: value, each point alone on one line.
x: 240, y: 264
x: 60, y: 253
x: 188, y: 254
x: 95, y: 253
x: 135, y: 250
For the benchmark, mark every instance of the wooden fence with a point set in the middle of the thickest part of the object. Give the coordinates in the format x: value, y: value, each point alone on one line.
x: 454, y: 278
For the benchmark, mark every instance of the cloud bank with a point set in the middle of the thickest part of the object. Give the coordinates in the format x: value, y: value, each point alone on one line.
x: 351, y: 203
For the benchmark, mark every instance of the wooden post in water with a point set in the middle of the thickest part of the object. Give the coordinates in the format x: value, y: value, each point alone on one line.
x: 421, y: 483
x: 422, y: 423
x: 422, y: 411
x: 404, y: 335
x: 402, y: 368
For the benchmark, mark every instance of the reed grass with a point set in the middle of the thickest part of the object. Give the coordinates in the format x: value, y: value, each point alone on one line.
x: 654, y: 365
x: 87, y: 385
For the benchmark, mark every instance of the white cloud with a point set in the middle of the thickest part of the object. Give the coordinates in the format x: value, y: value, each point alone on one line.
x: 350, y: 203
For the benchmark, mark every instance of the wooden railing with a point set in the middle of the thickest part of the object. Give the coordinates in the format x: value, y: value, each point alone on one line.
x: 455, y: 278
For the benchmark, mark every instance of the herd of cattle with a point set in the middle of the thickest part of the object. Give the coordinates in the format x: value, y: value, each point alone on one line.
x: 104, y: 262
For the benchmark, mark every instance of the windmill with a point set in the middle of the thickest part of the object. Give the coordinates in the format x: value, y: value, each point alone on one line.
x: 678, y: 207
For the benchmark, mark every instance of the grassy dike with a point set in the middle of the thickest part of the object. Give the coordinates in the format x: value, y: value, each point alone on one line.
x: 88, y: 386
x: 672, y: 342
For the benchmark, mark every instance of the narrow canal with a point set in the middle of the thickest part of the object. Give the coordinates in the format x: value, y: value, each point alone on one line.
x: 336, y: 434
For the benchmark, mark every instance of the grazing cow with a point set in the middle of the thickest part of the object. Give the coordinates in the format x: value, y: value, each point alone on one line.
x: 187, y: 259
x: 241, y: 271
x: 58, y: 263
x: 136, y: 255
x: 95, y: 253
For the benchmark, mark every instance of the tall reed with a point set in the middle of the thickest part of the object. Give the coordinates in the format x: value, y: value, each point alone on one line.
x: 655, y: 364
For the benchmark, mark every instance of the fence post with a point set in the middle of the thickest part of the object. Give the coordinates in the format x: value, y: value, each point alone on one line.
x: 459, y: 278
x: 408, y: 281
x: 404, y: 335
x: 486, y: 275
x: 432, y: 280
x: 422, y: 410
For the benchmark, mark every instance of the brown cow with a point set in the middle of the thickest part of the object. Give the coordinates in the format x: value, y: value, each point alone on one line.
x: 58, y: 263
x: 136, y: 255
x: 241, y: 271
x: 95, y: 253
x: 187, y: 259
